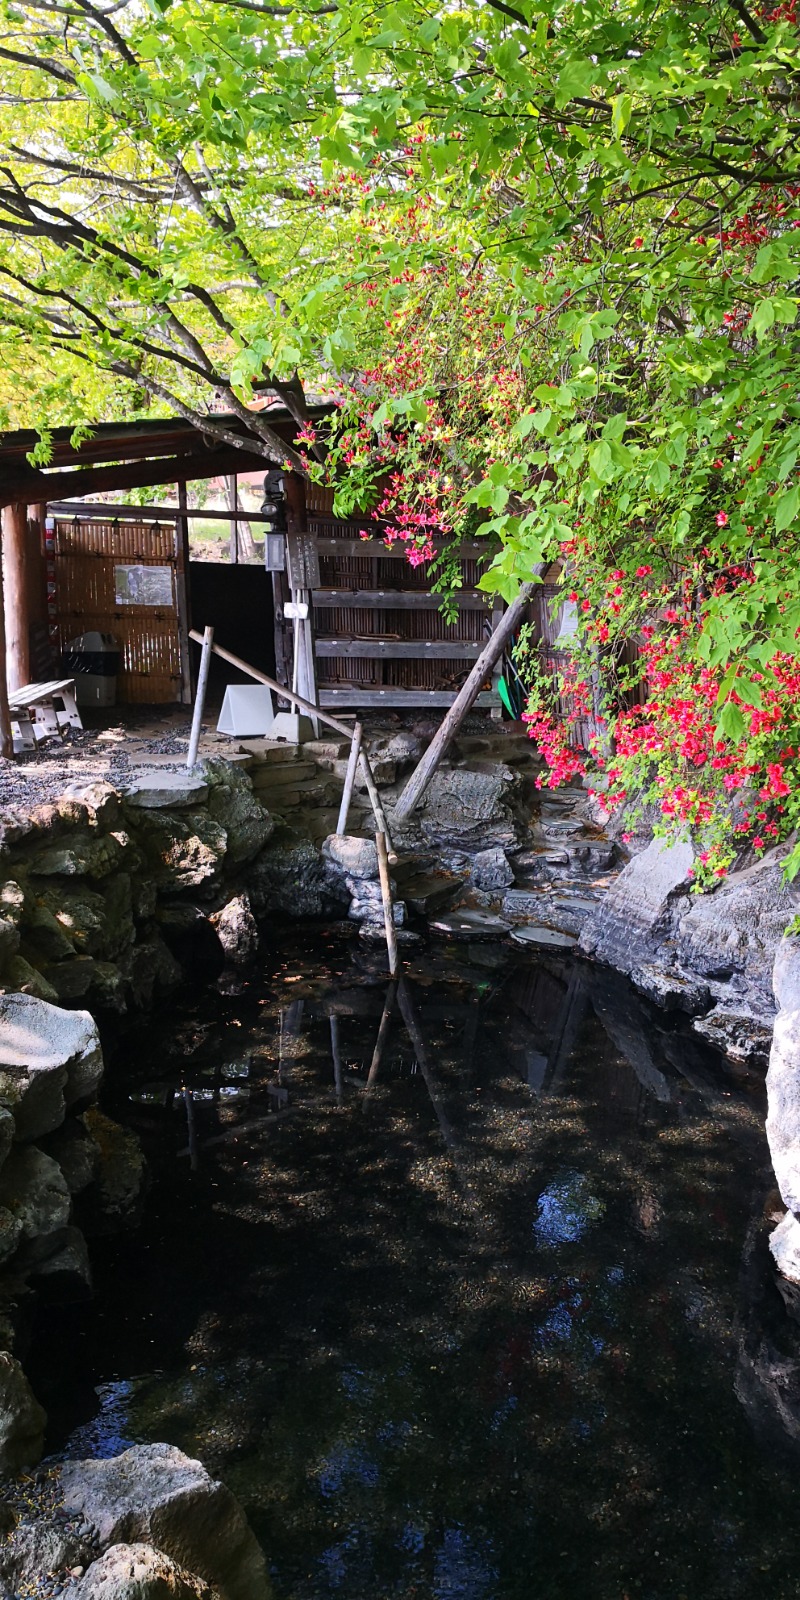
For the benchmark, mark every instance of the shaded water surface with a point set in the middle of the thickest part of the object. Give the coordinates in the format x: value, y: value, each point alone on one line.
x: 469, y: 1331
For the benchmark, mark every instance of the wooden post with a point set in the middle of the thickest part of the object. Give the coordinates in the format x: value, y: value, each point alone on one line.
x: 425, y: 769
x: 386, y: 896
x: 377, y: 808
x: 349, y: 779
x: 337, y: 1059
x: 182, y: 594
x: 383, y: 1034
x: 17, y: 619
x: 6, y: 741
x: 232, y: 498
x: 200, y: 697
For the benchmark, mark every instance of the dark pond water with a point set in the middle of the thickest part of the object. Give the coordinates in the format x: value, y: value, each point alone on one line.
x: 476, y: 1329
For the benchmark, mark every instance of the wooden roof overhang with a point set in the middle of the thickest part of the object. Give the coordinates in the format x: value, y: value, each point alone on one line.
x: 132, y: 455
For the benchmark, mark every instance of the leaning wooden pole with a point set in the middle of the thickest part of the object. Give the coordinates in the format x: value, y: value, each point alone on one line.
x: 200, y: 697
x: 349, y: 779
x: 465, y: 699
x: 388, y: 908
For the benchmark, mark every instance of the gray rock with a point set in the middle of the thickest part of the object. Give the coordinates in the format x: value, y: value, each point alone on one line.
x: 356, y: 858
x: 236, y: 929
x: 101, y: 802
x: 468, y: 924
x: 22, y: 1419
x: 114, y: 1201
x: 9, y: 941
x: 783, y: 1104
x: 12, y: 901
x: 290, y: 877
x: 81, y: 855
x: 672, y: 991
x: 544, y: 938
x: 49, y: 1058
x: 738, y: 1034
x: 65, y: 1276
x: 370, y: 911
x: 150, y: 970
x: 786, y: 974
x: 20, y: 977
x: 157, y: 1495
x: 10, y: 1233
x: 76, y: 1152
x: 182, y: 851
x: 7, y: 1132
x: 464, y: 801
x: 635, y: 914
x: 138, y: 1572
x: 45, y: 938
x: 33, y: 1189
x: 735, y: 932
x: 160, y: 789
x: 784, y: 1244
x: 247, y: 823
x: 491, y: 870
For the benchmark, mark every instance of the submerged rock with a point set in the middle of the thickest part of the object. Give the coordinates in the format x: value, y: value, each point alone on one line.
x: 236, y: 929
x: 738, y: 1034
x: 157, y: 1495
x: 34, y: 1192
x: 114, y: 1201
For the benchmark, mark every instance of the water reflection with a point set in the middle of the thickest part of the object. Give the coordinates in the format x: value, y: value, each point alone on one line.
x: 454, y: 1299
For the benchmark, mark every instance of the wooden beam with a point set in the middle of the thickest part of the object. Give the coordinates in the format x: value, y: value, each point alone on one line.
x: 119, y: 512
x: 425, y: 769
x: 17, y: 618
x: 398, y: 599
x: 400, y: 649
x: 354, y: 696
x: 30, y: 485
x: 397, y: 551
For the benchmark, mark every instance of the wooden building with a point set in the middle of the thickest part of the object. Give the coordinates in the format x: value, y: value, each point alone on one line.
x: 377, y: 635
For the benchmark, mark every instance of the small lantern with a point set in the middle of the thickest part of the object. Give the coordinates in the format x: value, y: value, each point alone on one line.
x: 274, y: 509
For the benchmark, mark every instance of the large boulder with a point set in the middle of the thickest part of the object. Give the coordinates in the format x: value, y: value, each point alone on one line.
x: 22, y: 1419
x: 155, y: 1494
x: 138, y: 1572
x: 469, y: 803
x: 34, y: 1191
x: 291, y: 877
x: 49, y: 1059
x: 783, y: 1078
x: 233, y: 805
x: 635, y: 914
x: 734, y: 933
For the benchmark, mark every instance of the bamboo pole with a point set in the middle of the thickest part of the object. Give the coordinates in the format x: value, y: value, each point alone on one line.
x: 311, y: 710
x: 200, y: 697
x: 386, y: 896
x: 425, y: 769
x: 377, y: 808
x: 279, y: 688
x: 349, y: 778
x: 383, y: 1034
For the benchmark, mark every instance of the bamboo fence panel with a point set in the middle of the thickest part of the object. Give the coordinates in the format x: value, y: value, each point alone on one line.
x: 86, y: 553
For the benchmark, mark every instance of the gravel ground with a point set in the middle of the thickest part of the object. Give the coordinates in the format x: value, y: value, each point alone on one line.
x: 44, y: 1551
x: 138, y: 737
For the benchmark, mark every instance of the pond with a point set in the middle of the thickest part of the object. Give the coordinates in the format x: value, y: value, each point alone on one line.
x: 464, y: 1322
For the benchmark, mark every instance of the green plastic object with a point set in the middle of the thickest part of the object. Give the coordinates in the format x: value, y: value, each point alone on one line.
x: 502, y: 690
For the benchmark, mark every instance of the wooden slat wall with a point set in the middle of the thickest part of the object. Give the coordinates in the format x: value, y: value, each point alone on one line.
x: 374, y: 571
x: 85, y: 555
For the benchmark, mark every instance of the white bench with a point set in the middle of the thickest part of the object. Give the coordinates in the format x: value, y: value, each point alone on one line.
x: 41, y: 709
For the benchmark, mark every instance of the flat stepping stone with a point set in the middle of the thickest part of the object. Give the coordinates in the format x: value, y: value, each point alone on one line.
x: 470, y: 924
x: 152, y: 790
x: 544, y: 938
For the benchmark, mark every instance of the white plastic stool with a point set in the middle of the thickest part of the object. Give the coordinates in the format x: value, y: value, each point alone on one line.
x: 247, y: 710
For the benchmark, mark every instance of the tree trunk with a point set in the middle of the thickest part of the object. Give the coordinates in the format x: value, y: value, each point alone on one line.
x: 465, y: 699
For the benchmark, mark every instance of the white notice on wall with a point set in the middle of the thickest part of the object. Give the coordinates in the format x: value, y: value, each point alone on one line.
x: 143, y: 586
